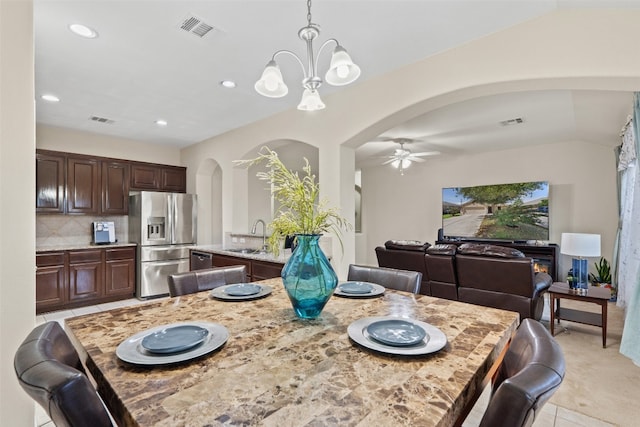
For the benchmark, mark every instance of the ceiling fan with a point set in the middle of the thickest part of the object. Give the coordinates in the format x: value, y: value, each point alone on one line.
x: 402, y: 157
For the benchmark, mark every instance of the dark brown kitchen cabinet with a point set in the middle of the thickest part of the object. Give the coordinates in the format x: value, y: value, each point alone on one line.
x: 145, y: 177
x: 115, y: 188
x: 174, y: 179
x: 76, y: 278
x: 50, y: 183
x: 70, y: 183
x: 86, y: 274
x: 226, y: 261
x: 120, y: 271
x: 261, y: 270
x: 51, y: 274
x: 153, y: 177
x: 83, y: 185
x: 256, y: 269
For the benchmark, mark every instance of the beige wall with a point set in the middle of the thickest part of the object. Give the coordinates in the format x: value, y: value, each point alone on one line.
x: 582, y: 196
x: 566, y: 49
x: 73, y: 141
x: 17, y: 193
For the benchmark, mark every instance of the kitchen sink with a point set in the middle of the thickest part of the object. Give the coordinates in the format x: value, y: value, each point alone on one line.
x: 245, y: 251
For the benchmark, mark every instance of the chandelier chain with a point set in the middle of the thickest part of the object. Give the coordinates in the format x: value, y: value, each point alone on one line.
x: 309, y: 12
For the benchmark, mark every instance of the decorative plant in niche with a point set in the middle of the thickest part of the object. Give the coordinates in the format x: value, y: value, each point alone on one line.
x: 300, y: 210
x: 307, y: 276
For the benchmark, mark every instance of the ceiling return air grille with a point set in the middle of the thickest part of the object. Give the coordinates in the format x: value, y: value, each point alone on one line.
x: 101, y: 120
x: 194, y: 25
x: 511, y: 122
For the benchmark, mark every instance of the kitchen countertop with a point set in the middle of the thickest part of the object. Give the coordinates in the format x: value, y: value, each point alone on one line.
x: 283, y: 257
x: 73, y: 247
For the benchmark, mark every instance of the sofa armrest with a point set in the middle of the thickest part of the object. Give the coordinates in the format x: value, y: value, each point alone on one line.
x: 541, y: 282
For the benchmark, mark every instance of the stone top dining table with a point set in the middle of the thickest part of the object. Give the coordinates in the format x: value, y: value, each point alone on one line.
x: 278, y: 370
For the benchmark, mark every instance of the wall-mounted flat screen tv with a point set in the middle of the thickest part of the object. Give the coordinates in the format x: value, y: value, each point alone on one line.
x: 507, y: 212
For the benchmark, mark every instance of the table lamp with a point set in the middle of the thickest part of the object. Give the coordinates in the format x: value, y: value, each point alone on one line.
x: 579, y: 246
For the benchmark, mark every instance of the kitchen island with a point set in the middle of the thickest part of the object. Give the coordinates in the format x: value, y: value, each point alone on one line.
x: 276, y: 369
x: 259, y: 265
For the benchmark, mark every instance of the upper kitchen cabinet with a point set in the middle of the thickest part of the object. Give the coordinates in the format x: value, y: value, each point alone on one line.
x: 83, y: 185
x: 115, y: 188
x: 152, y: 177
x: 91, y: 185
x: 50, y: 174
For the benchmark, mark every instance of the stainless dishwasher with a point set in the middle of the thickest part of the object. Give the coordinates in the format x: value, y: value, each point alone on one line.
x: 201, y: 260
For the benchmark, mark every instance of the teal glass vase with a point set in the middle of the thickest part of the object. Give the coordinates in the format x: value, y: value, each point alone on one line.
x: 308, y: 277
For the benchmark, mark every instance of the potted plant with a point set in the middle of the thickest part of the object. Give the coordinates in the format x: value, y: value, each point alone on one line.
x: 308, y: 276
x: 603, y: 276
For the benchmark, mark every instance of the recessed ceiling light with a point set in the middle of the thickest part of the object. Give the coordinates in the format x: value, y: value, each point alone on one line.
x: 228, y: 84
x: 83, y: 31
x: 50, y: 98
x: 161, y: 122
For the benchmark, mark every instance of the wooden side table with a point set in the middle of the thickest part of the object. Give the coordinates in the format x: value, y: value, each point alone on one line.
x: 596, y: 295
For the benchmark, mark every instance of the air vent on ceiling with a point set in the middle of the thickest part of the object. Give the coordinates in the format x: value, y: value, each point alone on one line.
x: 194, y: 25
x: 510, y: 122
x: 101, y: 120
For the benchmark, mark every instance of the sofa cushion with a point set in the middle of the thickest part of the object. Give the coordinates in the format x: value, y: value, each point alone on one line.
x: 489, y: 250
x: 442, y: 249
x: 407, y: 245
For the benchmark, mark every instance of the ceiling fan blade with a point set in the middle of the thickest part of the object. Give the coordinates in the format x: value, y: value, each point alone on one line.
x: 426, y: 153
x: 393, y: 159
x: 416, y: 159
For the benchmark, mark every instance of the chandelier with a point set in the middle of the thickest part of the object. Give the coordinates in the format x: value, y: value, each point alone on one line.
x: 342, y: 70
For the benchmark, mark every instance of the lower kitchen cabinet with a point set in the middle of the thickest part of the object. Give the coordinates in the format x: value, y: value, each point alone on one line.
x: 86, y: 275
x: 261, y: 270
x: 256, y: 269
x: 76, y: 278
x: 51, y: 288
x: 120, y: 277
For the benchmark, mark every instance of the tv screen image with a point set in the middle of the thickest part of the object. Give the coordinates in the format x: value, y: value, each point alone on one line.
x: 508, y: 212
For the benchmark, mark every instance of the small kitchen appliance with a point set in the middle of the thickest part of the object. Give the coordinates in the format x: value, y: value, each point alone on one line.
x: 104, y: 232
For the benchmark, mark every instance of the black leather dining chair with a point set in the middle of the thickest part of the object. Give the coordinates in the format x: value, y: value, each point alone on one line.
x: 390, y: 278
x: 206, y: 279
x: 49, y: 370
x: 532, y: 370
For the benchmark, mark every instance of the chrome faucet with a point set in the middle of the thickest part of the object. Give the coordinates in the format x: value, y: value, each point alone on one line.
x: 264, y: 233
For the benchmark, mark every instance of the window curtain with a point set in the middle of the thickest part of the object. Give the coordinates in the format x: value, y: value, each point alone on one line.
x: 628, y: 249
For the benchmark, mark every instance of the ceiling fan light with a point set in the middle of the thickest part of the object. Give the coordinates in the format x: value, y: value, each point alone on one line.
x: 342, y: 70
x: 271, y: 83
x: 396, y: 163
x: 310, y: 101
x: 406, y: 163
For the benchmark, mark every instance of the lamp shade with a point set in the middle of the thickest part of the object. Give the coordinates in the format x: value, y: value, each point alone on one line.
x: 580, y: 245
x: 271, y: 83
x: 342, y: 70
x: 310, y: 101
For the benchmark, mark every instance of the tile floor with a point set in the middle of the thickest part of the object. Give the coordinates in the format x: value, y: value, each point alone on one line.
x: 551, y: 415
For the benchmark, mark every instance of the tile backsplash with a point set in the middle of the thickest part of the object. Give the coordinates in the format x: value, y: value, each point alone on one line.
x: 53, y: 230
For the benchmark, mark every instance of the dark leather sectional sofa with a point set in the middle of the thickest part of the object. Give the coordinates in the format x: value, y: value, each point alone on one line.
x: 477, y: 273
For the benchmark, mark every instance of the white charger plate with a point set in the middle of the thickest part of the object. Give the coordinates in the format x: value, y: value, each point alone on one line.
x: 131, y: 350
x: 375, y: 291
x: 220, y: 293
x: 434, y: 340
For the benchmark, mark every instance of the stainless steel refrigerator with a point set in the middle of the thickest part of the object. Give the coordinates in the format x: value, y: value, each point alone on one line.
x: 164, y: 227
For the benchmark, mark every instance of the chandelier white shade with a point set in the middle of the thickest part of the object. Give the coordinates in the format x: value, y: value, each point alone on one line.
x: 342, y: 70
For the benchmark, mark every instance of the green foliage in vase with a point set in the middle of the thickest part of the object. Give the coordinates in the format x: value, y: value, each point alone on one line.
x: 603, y: 270
x: 300, y: 211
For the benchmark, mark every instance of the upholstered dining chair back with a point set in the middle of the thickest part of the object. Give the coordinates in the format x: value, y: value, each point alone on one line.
x: 390, y: 278
x: 532, y: 370
x: 206, y: 279
x: 49, y: 370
